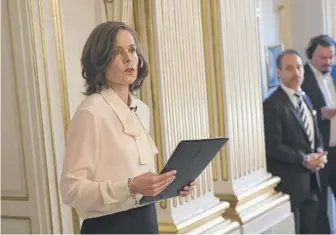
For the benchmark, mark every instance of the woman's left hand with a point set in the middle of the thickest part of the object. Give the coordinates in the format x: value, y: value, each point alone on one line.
x: 187, y: 189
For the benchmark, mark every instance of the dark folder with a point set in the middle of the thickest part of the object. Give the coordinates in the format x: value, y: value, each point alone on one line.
x: 189, y: 159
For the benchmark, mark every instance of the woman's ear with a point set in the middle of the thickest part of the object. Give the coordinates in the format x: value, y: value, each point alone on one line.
x: 140, y: 63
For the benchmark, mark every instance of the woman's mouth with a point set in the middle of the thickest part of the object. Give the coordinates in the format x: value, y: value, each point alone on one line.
x: 129, y: 70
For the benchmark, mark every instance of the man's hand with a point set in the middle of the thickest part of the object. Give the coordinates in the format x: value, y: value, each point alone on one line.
x: 328, y: 113
x: 316, y: 161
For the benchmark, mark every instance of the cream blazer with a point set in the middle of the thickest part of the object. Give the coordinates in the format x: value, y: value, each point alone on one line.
x: 107, y: 143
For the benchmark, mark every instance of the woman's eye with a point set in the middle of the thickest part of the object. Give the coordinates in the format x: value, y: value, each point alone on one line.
x: 133, y: 50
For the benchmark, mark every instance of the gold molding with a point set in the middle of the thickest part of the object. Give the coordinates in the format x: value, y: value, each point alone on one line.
x: 121, y: 10
x: 271, y: 200
x: 25, y: 218
x: 106, y: 4
x: 209, y: 179
x: 15, y: 198
x: 63, y: 86
x: 39, y: 108
x: 252, y: 193
x: 190, y: 224
x: 207, y: 63
x: 47, y: 88
x: 280, y: 8
x: 180, y: 200
x: 240, y: 203
x: 154, y: 86
x: 219, y: 86
x: 198, y: 187
x: 332, y: 8
x: 137, y: 28
x: 204, y: 189
x: 61, y: 64
x: 26, y: 196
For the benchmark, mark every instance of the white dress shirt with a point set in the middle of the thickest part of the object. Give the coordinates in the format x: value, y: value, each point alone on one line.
x: 107, y: 143
x: 327, y: 87
x: 291, y: 95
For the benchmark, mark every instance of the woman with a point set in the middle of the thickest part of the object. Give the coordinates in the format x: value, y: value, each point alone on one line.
x: 110, y: 155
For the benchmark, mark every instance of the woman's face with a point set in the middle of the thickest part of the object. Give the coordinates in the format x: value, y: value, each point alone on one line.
x: 123, y: 68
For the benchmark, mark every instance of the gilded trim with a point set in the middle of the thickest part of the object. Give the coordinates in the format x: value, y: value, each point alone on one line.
x: 37, y: 86
x: 61, y: 64
x: 209, y: 179
x: 50, y: 113
x: 15, y: 198
x: 63, y: 86
x: 175, y: 204
x: 154, y: 86
x: 207, y: 66
x: 249, y: 195
x: 25, y: 218
x: 192, y: 194
x: 180, y: 200
x: 154, y: 81
x: 219, y: 86
x: 169, y: 228
x: 332, y: 8
x: 108, y: 3
x: 121, y: 10
x: 137, y: 28
x: 26, y: 196
x: 204, y: 182
x: 198, y: 187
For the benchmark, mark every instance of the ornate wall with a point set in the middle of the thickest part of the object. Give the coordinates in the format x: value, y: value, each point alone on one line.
x: 205, y: 81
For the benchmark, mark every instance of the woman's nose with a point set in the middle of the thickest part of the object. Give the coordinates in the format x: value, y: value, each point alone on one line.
x: 127, y: 57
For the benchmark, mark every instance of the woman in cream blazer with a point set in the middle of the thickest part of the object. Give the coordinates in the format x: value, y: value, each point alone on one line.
x: 109, y: 160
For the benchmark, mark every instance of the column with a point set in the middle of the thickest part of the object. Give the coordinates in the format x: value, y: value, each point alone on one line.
x: 240, y: 174
x: 120, y: 10
x: 176, y: 91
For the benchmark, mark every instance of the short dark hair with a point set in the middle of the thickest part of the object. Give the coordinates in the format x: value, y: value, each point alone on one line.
x: 322, y: 40
x: 99, y: 51
x: 286, y: 52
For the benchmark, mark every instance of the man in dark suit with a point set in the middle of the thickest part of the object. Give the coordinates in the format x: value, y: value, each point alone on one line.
x: 294, y: 147
x: 319, y: 85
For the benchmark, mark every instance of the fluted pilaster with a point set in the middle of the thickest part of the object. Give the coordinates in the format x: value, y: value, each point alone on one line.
x: 240, y: 174
x: 120, y: 10
x: 239, y: 67
x: 178, y: 97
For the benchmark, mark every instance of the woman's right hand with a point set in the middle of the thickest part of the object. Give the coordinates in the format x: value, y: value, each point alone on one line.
x: 151, y: 184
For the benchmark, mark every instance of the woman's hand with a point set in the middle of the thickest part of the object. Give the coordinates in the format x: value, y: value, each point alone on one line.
x: 151, y: 184
x: 187, y: 189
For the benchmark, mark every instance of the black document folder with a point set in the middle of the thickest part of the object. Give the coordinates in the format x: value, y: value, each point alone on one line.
x: 189, y: 159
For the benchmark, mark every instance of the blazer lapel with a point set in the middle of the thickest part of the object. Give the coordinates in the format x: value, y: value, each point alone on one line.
x: 311, y: 80
x: 294, y: 111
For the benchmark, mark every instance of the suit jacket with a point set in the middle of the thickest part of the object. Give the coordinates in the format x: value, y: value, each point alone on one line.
x: 286, y: 146
x: 312, y: 89
x: 107, y: 143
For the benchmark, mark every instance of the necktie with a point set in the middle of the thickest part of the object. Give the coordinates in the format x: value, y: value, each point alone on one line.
x: 303, y: 111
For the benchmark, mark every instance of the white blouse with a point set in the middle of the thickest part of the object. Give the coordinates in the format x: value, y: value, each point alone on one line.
x: 107, y: 143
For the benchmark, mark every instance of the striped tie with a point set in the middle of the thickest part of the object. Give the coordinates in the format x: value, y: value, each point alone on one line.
x: 303, y: 111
